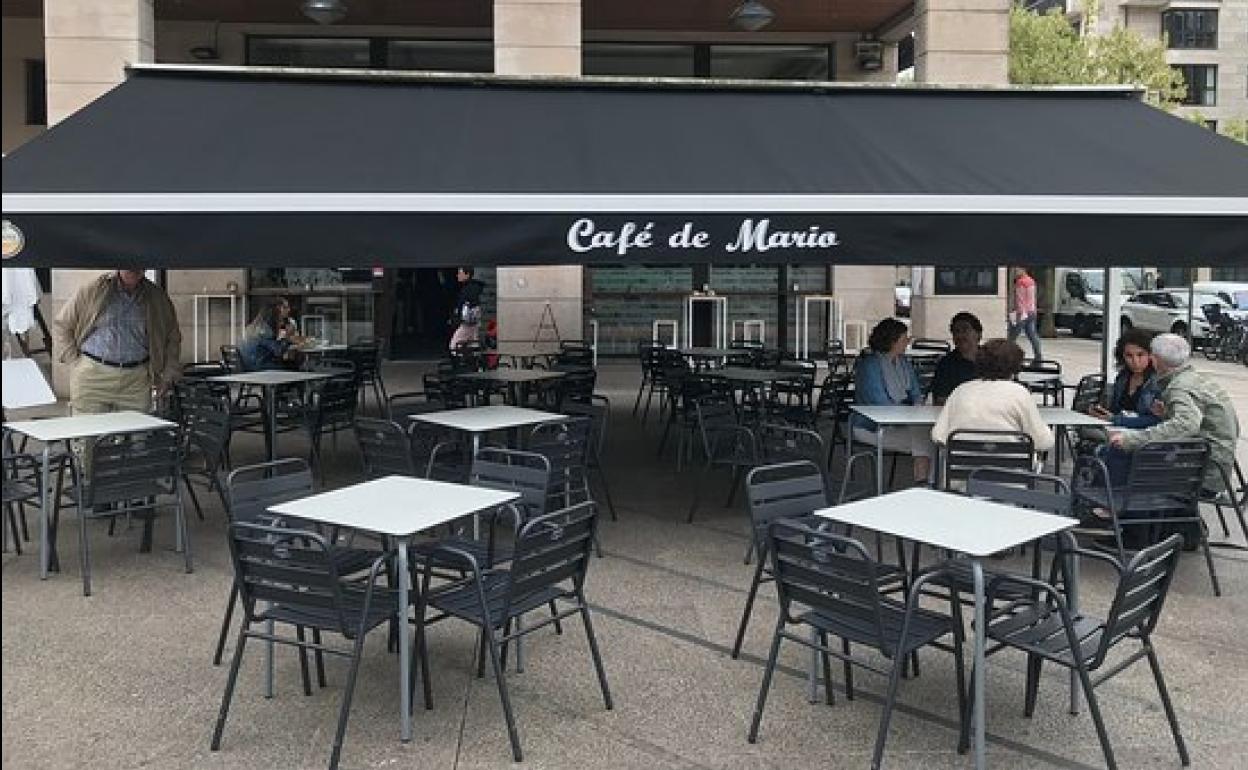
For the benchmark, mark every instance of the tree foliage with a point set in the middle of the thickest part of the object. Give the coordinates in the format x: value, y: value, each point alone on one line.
x: 1046, y: 49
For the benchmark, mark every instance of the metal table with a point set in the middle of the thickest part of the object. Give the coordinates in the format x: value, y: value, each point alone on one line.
x: 516, y: 380
x: 270, y: 381
x: 66, y: 429
x: 977, y: 528
x: 398, y: 507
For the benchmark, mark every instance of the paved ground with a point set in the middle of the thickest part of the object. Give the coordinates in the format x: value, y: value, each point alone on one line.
x: 123, y: 679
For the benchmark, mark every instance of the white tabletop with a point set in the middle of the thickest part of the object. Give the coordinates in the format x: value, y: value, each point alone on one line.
x: 512, y: 375
x: 898, y: 414
x: 945, y: 520
x: 88, y: 425
x: 524, y: 349
x: 25, y: 385
x: 1038, y: 378
x: 712, y: 352
x: 480, y: 419
x: 1060, y: 415
x: 319, y: 348
x: 395, y: 505
x: 742, y: 374
x: 272, y: 377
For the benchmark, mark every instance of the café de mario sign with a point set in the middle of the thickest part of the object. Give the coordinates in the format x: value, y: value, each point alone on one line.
x: 751, y: 236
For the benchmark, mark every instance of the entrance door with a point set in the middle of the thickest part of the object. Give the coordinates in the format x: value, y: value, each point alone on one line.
x: 423, y: 301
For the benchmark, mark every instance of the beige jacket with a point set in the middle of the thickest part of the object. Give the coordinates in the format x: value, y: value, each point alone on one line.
x: 164, y: 338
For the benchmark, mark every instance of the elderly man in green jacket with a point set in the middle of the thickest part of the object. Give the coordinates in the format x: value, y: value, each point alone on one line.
x: 1196, y: 406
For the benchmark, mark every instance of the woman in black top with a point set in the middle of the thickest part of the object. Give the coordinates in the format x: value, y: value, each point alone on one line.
x: 958, y: 365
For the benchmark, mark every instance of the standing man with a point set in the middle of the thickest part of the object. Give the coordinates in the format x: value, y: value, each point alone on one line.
x: 1023, y: 317
x: 120, y: 334
x: 467, y: 317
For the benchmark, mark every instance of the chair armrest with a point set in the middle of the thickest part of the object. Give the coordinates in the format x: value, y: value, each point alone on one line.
x: 1026, y: 582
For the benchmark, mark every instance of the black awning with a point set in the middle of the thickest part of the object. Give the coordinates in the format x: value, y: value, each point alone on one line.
x: 182, y: 168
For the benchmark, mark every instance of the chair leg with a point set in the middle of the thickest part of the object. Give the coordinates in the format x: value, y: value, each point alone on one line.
x: 606, y: 492
x: 344, y: 711
x: 229, y: 688
x: 225, y: 624
x: 596, y: 655
x: 1213, y: 573
x: 199, y: 511
x: 84, y: 552
x: 738, y: 472
x: 1165, y: 701
x: 749, y: 608
x: 894, y: 679
x: 554, y: 613
x: 828, y: 696
x: 1085, y: 683
x: 1033, y: 684
x: 303, y: 661
x: 500, y: 679
x: 767, y: 672
x: 697, y: 492
x: 849, y: 670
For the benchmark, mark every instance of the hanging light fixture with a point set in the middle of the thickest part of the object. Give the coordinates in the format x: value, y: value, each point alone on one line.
x: 752, y: 16
x: 324, y: 11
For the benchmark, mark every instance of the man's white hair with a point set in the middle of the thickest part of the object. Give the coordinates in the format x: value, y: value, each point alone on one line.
x: 1171, y: 349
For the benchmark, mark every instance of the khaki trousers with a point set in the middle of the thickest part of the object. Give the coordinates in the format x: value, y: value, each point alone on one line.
x: 95, y: 388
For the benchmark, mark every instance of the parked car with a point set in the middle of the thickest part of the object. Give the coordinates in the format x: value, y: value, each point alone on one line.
x: 1081, y: 297
x: 1165, y: 310
x: 1234, y: 292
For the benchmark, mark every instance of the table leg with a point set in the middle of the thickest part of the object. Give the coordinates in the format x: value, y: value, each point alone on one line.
x: 879, y: 460
x: 476, y: 517
x: 44, y: 512
x: 977, y: 697
x: 405, y: 694
x: 270, y: 405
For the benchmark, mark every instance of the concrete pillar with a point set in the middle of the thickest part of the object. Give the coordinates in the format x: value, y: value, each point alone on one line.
x: 87, y: 45
x: 538, y: 37
x: 865, y: 292
x: 960, y: 42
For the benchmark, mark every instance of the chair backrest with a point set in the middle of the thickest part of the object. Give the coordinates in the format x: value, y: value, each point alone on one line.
x: 338, y: 367
x: 1021, y: 488
x: 1142, y: 590
x: 966, y: 450
x: 782, y: 490
x: 291, y: 567
x: 334, y: 402
x: 367, y: 359
x: 1088, y: 393
x: 830, y: 574
x: 439, y: 454
x: 1166, y: 475
x: 566, y: 444
x: 385, y: 449
x: 598, y: 410
x: 400, y: 406
x: 252, y: 489
x: 1043, y: 366
x: 232, y: 359
x: 549, y: 551
x: 204, y: 419
x: 716, y: 416
x: 511, y: 470
x: 929, y: 343
x: 782, y: 443
x: 133, y: 466
x: 578, y: 385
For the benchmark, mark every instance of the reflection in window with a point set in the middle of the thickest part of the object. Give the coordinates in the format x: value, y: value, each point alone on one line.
x: 1190, y: 28
x: 638, y: 60
x: 440, y: 55
x: 1202, y: 84
x: 771, y: 62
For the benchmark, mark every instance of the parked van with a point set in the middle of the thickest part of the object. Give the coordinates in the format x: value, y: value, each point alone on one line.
x: 1234, y: 292
x: 1081, y: 298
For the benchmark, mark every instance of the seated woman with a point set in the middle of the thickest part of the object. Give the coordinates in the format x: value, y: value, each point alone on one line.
x: 1135, y: 388
x: 265, y: 344
x: 1134, y: 399
x: 287, y: 323
x: 958, y: 365
x: 883, y: 377
x: 993, y: 401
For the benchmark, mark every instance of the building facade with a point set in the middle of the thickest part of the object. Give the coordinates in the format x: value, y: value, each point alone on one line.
x: 59, y: 55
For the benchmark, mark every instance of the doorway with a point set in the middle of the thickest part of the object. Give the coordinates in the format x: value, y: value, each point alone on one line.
x: 423, y: 301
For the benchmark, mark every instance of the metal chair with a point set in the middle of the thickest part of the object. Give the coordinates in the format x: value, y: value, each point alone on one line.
x: 366, y: 355
x: 549, y: 567
x: 966, y: 450
x: 838, y: 583
x: 725, y: 444
x: 400, y: 406
x: 23, y: 486
x: 648, y: 353
x: 566, y: 445
x: 1052, y: 390
x: 330, y: 409
x: 794, y: 489
x: 130, y: 474
x: 1046, y: 629
x: 598, y: 410
x: 1162, y: 492
x: 289, y: 577
x: 205, y: 422
x: 385, y: 449
x: 1233, y: 494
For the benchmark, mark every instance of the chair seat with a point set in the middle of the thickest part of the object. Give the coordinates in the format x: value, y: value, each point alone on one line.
x: 384, y: 606
x: 925, y: 627
x: 423, y: 553
x: 1034, y: 628
x: 1137, y: 503
x: 462, y: 601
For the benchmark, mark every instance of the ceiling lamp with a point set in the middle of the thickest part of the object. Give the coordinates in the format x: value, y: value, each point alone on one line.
x: 324, y: 11
x: 752, y: 16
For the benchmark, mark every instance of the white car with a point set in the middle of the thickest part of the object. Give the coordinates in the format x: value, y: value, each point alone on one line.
x: 1165, y: 310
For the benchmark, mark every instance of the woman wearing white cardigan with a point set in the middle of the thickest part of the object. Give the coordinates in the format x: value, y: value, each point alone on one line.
x: 993, y: 401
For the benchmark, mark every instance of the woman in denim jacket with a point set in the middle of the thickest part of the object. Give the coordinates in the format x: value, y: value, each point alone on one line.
x: 885, y: 376
x: 1135, y: 389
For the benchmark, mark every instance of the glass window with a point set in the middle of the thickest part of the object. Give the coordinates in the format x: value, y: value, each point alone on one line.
x: 638, y: 60
x: 440, y: 55
x: 1202, y: 84
x: 309, y: 51
x: 36, y: 93
x: 966, y: 280
x: 1190, y: 28
x: 771, y: 62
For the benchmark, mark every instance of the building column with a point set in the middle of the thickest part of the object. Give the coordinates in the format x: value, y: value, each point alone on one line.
x: 87, y: 45
x: 539, y: 37
x: 962, y: 42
